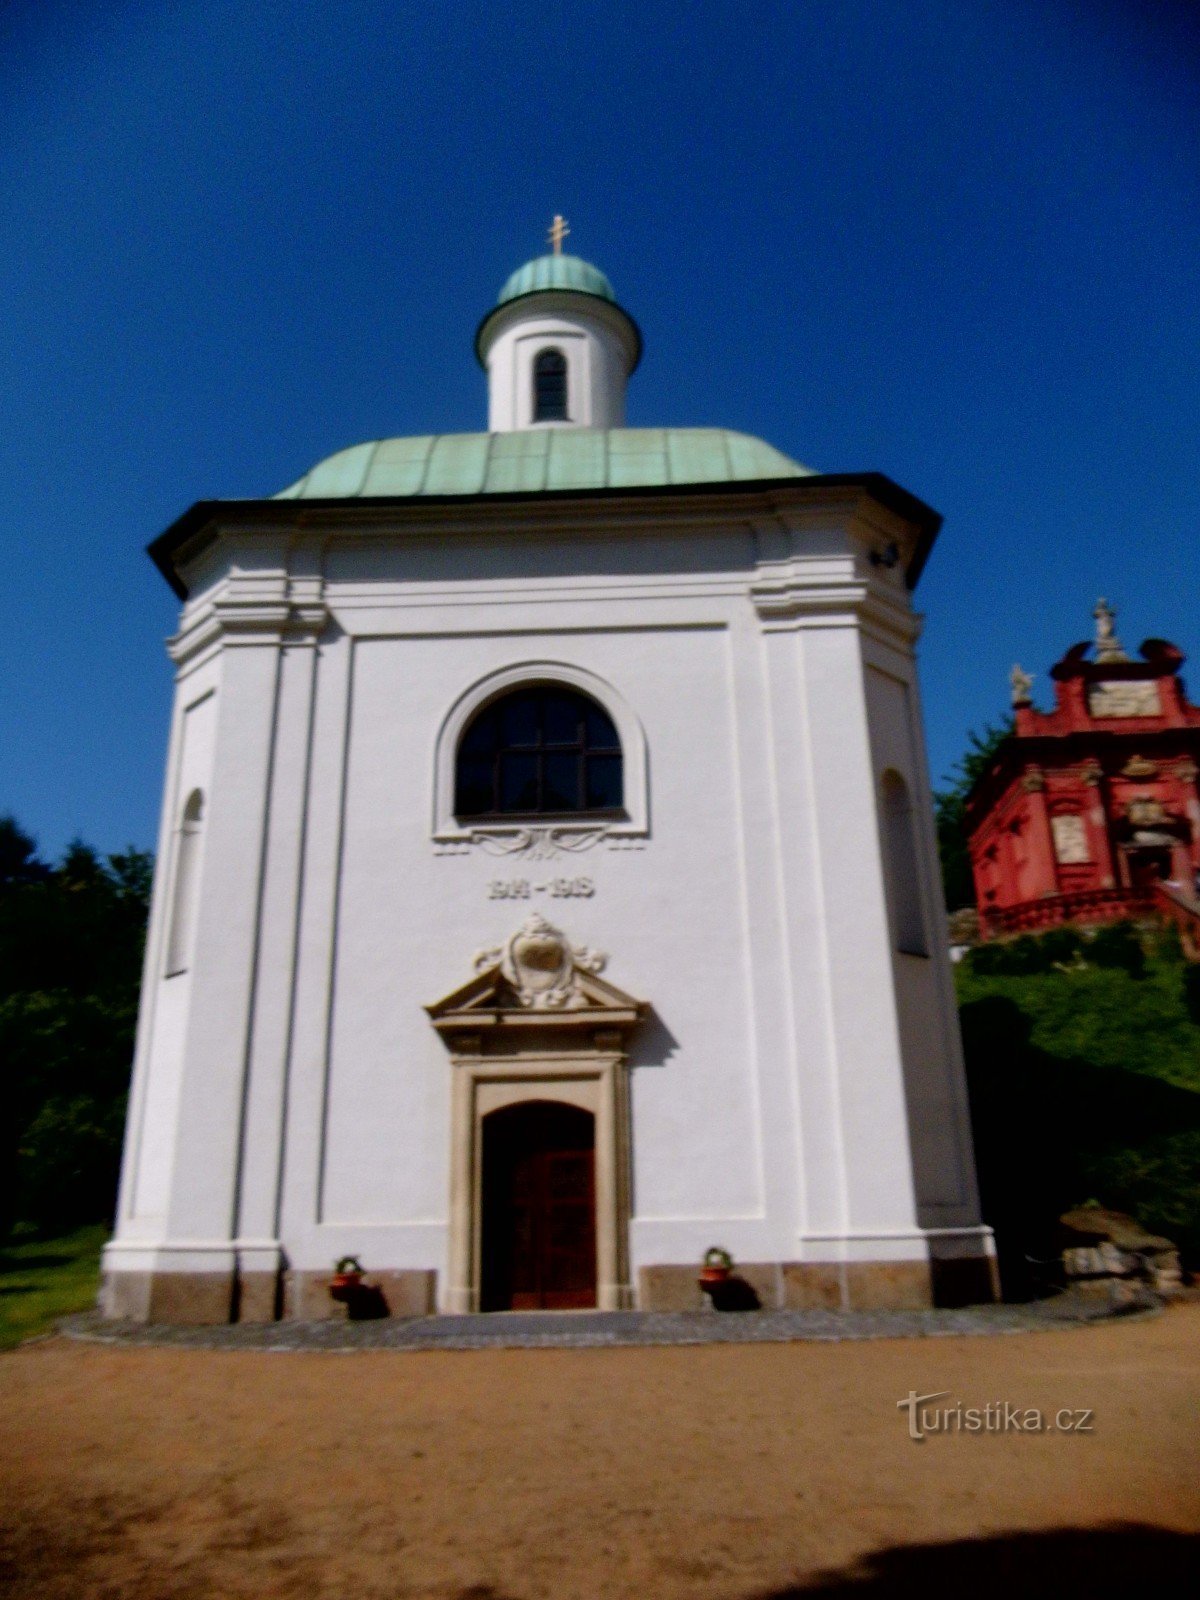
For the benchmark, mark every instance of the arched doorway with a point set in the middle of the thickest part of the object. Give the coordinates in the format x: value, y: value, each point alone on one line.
x: 538, y: 1248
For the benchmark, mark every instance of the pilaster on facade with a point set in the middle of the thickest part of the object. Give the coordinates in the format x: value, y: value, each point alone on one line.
x: 864, y: 1091
x: 1041, y: 842
x: 222, y: 982
x: 270, y: 1030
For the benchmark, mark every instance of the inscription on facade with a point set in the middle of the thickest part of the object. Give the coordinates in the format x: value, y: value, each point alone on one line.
x: 1134, y: 699
x: 554, y: 888
x: 1070, y: 840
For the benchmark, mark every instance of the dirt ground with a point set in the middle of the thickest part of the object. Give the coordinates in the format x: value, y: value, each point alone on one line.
x: 730, y: 1471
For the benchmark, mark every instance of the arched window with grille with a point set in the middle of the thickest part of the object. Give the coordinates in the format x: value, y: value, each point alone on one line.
x: 183, y: 893
x: 903, y: 871
x: 541, y: 750
x: 550, y: 386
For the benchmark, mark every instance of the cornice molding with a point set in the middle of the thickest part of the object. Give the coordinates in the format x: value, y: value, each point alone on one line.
x: 298, y: 617
x: 864, y: 495
x: 786, y: 602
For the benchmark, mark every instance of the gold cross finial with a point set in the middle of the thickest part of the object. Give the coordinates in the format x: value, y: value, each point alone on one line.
x: 557, y: 232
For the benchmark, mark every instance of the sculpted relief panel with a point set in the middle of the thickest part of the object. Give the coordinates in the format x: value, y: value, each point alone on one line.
x: 1117, y: 699
x: 1070, y: 840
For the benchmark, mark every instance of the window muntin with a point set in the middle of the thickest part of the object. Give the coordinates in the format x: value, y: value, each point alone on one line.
x: 544, y: 750
x: 550, y: 386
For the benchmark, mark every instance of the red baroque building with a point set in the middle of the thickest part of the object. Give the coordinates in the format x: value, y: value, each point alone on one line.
x: 1090, y: 812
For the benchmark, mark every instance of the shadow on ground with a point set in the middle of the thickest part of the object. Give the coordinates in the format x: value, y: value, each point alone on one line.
x: 234, y: 1550
x: 1107, y: 1563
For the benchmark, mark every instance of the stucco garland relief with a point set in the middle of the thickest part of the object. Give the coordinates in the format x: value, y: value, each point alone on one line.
x: 538, y: 841
x: 542, y: 966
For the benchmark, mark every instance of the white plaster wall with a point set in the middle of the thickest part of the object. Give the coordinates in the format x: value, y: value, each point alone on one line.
x: 939, y: 1120
x: 154, y: 1093
x: 304, y: 1096
x: 598, y: 363
x: 850, y: 1069
x: 409, y: 922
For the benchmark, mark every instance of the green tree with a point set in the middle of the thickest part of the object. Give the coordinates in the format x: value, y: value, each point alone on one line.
x: 19, y: 862
x: 71, y: 939
x: 949, y: 808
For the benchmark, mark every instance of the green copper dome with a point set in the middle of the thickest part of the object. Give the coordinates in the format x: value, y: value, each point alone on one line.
x: 557, y: 272
x: 534, y: 460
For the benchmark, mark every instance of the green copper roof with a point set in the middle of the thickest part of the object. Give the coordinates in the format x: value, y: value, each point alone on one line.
x: 567, y: 274
x: 537, y: 459
x: 557, y: 272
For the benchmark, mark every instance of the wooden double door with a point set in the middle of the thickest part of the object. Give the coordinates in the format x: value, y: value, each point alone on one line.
x: 539, y: 1208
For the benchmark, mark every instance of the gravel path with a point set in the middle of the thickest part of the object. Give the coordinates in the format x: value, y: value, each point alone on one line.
x: 585, y: 1330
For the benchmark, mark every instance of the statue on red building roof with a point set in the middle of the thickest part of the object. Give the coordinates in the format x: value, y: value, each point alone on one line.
x: 1107, y: 646
x: 1090, y: 812
x: 1022, y: 683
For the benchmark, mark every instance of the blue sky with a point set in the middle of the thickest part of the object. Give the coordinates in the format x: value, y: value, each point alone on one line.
x: 956, y: 241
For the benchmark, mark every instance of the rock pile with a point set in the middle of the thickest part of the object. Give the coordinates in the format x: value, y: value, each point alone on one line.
x: 1109, y: 1253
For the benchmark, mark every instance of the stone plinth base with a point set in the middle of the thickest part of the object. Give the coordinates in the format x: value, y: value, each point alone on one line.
x: 223, y: 1297
x: 675, y: 1288
x: 950, y: 1276
x: 913, y: 1285
x: 965, y: 1280
x: 197, y: 1297
x: 406, y: 1291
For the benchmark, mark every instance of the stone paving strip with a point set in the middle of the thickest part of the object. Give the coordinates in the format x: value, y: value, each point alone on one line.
x: 586, y: 1330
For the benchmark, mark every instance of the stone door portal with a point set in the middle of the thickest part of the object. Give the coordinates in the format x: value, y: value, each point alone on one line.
x: 539, y: 1128
x: 539, y: 1209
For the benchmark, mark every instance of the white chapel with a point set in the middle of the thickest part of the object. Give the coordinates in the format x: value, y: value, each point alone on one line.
x: 546, y: 887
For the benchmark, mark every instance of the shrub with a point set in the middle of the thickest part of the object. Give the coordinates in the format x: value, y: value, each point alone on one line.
x: 1030, y: 953
x: 1083, y: 1083
x: 1118, y: 945
x: 1191, y: 991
